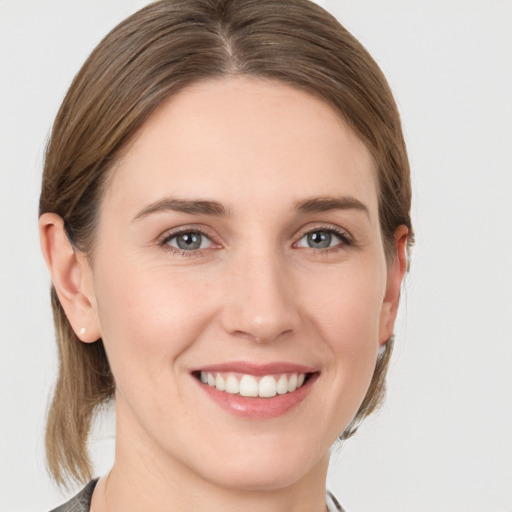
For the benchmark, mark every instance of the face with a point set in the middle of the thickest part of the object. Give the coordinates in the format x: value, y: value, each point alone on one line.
x: 239, y: 253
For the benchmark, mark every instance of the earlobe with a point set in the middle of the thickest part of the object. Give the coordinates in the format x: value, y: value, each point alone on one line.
x: 396, y: 272
x: 71, y: 277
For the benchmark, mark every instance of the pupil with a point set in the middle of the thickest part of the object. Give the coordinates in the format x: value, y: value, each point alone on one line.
x: 189, y: 241
x: 319, y: 239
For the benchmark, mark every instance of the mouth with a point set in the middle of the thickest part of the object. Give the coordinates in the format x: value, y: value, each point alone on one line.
x: 256, y: 391
x: 247, y: 385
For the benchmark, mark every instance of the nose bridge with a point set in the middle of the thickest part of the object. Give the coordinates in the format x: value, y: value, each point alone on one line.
x: 260, y: 303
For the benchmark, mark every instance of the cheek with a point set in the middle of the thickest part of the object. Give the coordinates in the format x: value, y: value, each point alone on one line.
x: 345, y: 309
x: 347, y: 304
x: 150, y: 319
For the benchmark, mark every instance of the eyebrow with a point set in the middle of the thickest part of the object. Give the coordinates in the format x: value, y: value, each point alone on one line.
x: 198, y: 207
x: 216, y: 209
x: 328, y: 203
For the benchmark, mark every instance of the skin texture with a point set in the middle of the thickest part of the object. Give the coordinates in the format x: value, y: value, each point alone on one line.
x: 255, y: 292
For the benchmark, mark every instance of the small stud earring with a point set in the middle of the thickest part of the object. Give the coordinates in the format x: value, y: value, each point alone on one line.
x: 82, y: 330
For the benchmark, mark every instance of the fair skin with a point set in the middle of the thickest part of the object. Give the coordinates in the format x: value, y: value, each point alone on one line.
x: 279, y: 270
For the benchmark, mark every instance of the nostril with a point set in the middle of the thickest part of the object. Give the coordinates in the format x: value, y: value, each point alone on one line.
x: 262, y: 334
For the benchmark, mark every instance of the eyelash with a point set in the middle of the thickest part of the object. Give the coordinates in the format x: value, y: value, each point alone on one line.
x: 346, y: 240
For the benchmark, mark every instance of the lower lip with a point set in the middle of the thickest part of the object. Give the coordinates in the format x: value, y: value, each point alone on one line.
x: 258, y: 407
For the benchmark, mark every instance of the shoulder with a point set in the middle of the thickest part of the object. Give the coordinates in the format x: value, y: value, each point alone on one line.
x: 81, y: 502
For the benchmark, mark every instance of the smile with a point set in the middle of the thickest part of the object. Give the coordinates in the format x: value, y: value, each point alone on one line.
x: 265, y: 386
x: 256, y: 391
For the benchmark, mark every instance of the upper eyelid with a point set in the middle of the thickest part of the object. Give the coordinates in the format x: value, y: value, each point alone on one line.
x: 325, y: 227
x: 173, y: 232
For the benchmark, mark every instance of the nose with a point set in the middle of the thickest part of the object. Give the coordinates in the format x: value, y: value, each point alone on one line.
x: 260, y: 303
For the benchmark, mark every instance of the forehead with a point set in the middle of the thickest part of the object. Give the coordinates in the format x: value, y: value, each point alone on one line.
x: 243, y: 137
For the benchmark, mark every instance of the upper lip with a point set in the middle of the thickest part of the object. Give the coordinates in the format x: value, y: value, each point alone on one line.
x: 257, y: 369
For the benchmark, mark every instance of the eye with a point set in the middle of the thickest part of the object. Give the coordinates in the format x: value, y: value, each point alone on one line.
x: 188, y: 241
x: 323, y: 239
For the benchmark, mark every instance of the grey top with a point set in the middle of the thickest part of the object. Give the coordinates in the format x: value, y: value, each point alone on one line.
x: 82, y: 501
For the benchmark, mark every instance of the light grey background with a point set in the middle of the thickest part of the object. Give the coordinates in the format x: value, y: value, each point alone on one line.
x: 443, y: 441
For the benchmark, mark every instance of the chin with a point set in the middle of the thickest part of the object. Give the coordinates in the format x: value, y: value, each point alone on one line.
x: 261, y: 465
x: 257, y: 477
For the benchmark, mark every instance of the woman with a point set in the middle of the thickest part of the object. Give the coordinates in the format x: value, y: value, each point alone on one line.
x: 225, y: 213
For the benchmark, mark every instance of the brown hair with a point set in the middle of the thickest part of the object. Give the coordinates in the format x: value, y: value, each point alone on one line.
x: 150, y: 56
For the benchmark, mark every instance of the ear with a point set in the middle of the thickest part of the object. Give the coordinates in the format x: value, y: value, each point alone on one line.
x: 396, y: 272
x: 71, y: 276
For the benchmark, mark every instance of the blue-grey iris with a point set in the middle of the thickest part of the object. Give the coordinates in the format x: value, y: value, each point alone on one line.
x: 319, y: 239
x: 189, y: 241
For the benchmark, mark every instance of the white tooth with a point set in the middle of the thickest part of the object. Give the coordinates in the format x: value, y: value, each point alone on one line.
x: 282, y: 385
x: 220, y: 383
x: 248, y: 386
x: 211, y: 380
x: 232, y: 385
x: 300, y: 379
x: 267, y: 386
x: 292, y: 382
x: 204, y: 377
